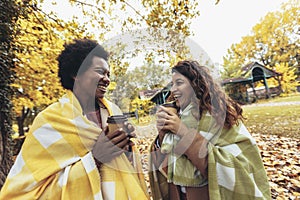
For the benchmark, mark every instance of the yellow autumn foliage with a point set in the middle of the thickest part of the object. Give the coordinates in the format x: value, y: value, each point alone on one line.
x: 273, y: 40
x: 288, y: 82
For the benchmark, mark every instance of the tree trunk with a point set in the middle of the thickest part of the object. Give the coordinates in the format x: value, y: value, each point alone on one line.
x: 21, y: 120
x: 8, y: 16
x: 20, y: 140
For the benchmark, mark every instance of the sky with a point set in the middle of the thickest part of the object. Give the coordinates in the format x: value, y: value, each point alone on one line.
x: 219, y: 26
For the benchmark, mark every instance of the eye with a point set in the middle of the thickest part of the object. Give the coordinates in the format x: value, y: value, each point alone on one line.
x: 100, y: 71
x: 179, y: 82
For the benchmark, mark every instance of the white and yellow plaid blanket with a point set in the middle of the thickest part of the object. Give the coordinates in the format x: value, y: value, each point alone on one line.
x: 56, y: 162
x: 235, y: 168
x: 181, y: 170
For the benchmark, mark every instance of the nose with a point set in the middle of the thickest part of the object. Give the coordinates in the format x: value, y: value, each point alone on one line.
x: 173, y: 88
x: 105, y: 78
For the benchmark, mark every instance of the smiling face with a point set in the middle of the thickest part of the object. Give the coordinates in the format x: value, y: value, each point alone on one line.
x: 181, y: 90
x: 92, y: 83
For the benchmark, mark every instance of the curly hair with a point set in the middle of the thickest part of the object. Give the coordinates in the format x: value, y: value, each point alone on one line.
x: 210, y: 95
x: 76, y: 58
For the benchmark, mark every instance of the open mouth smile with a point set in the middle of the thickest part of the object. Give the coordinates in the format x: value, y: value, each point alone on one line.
x: 103, y: 88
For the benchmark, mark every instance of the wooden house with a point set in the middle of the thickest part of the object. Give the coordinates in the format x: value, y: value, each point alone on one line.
x: 243, y: 90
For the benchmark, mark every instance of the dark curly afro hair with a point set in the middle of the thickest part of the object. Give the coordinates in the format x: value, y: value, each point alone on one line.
x: 76, y: 58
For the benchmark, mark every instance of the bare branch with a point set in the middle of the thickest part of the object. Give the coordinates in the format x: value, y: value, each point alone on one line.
x: 49, y: 16
x: 91, y: 5
x: 137, y: 12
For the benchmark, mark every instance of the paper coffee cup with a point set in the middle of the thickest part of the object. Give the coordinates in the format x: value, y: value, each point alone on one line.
x: 168, y: 141
x: 115, y: 122
x: 171, y: 106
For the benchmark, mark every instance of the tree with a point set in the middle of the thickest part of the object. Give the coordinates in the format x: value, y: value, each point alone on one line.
x: 8, y: 15
x: 274, y: 40
x: 110, y: 18
x: 38, y: 41
x: 289, y: 82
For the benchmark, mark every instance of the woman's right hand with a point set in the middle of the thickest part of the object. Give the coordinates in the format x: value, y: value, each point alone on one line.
x: 169, y: 121
x: 110, y: 145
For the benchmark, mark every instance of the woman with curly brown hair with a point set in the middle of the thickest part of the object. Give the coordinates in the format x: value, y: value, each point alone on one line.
x: 225, y: 160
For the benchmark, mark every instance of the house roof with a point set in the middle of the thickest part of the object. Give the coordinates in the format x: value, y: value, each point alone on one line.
x: 268, y: 72
x: 252, y: 72
x: 148, y: 94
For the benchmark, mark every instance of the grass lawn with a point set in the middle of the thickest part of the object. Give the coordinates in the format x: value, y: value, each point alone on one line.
x: 281, y: 120
x: 291, y: 98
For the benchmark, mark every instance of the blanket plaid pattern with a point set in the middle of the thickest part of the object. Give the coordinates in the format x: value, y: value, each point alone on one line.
x: 181, y: 171
x: 56, y: 162
x: 235, y: 168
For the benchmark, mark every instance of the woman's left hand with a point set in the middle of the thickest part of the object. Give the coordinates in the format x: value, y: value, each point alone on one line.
x: 167, y: 120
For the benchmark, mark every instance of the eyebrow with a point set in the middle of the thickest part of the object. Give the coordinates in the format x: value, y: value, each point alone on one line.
x: 179, y: 79
x: 99, y: 67
x: 102, y: 68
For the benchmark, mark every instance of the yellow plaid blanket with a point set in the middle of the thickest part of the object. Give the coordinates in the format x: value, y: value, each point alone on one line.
x: 181, y: 170
x: 56, y: 162
x: 235, y: 168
